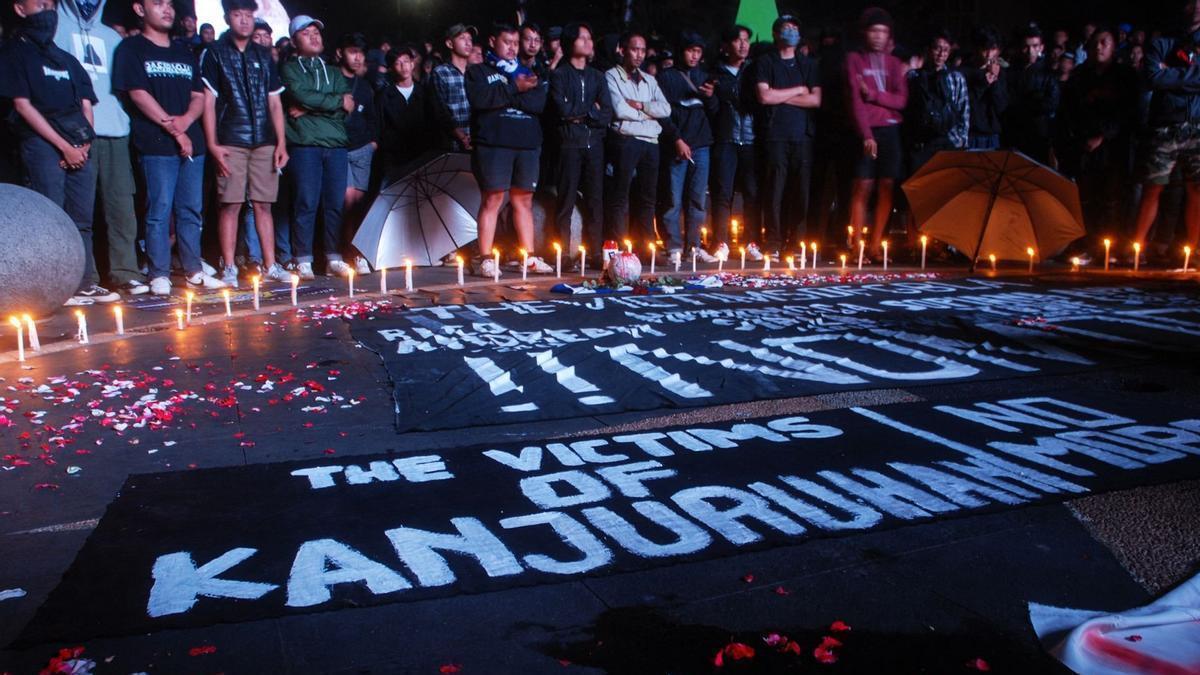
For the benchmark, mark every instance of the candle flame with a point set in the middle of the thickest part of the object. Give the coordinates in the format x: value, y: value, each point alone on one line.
x: 992, y: 257
x: 1029, y: 252
x: 79, y: 313
x: 1187, y: 249
x: 924, y: 239
x: 1137, y: 246
x: 295, y: 281
x: 459, y: 259
x: 14, y: 321
x: 1075, y: 261
x: 557, y: 247
x: 523, y: 253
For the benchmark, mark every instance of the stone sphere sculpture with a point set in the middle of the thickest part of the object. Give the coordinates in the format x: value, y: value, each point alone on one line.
x: 41, y: 254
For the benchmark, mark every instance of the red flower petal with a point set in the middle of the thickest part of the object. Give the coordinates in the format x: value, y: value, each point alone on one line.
x: 780, y: 590
x: 450, y: 668
x: 839, y: 627
x: 748, y: 578
x: 979, y: 664
x: 202, y: 651
x: 1134, y: 638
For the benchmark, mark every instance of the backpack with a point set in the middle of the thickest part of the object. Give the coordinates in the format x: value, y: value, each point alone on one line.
x: 930, y: 113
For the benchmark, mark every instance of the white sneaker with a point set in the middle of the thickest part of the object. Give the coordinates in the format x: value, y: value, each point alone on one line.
x: 208, y: 269
x: 722, y: 252
x: 162, y: 286
x: 488, y: 269
x: 277, y: 273
x: 539, y: 266
x: 197, y: 280
x: 704, y: 256
x: 304, y: 271
x: 229, y: 277
x: 361, y: 266
x: 675, y: 259
x: 753, y: 253
x: 337, y: 268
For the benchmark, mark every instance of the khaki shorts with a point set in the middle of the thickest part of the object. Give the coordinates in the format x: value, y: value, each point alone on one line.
x: 251, y: 173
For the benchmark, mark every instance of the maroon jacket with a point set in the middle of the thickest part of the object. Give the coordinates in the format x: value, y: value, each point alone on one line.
x: 885, y: 78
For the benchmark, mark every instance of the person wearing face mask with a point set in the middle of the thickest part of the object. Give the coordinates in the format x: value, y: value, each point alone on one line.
x: 81, y: 32
x: 52, y: 98
x: 789, y: 92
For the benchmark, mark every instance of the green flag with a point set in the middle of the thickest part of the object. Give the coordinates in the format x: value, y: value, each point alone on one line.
x: 758, y: 15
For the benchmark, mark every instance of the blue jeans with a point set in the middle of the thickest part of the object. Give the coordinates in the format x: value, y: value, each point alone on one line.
x: 688, y: 183
x: 174, y: 185
x: 73, y: 191
x: 319, y: 178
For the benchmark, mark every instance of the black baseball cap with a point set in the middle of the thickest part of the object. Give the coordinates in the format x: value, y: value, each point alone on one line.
x: 784, y: 19
x: 460, y: 28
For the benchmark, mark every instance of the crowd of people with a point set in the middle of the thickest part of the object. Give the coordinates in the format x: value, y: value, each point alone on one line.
x: 167, y: 125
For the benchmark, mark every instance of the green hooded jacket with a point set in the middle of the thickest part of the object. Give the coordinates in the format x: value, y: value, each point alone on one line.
x: 317, y: 88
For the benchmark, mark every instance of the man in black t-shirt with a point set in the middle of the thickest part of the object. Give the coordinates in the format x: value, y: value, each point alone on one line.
x: 161, y: 86
x: 52, y: 99
x: 789, y: 90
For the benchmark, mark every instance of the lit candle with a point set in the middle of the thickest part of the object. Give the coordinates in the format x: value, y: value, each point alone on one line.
x: 1187, y: 257
x: 1137, y: 255
x: 295, y: 286
x: 582, y: 261
x: 254, y: 282
x: 1075, y: 264
x: 704, y: 236
x: 350, y: 280
x: 766, y: 263
x: 1030, y: 252
x: 179, y: 319
x: 992, y: 259
x: 459, y: 260
x: 496, y: 266
x: 189, y: 296
x: 383, y: 280
x: 862, y: 251
x: 743, y: 250
x: 733, y: 229
x: 120, y: 314
x: 228, y: 307
x: 20, y: 337
x: 814, y: 250
x: 849, y: 236
x: 803, y: 256
x: 408, y: 279
x: 558, y: 260
x: 653, y: 253
x: 695, y: 252
x: 885, y: 260
x: 628, y: 246
x: 34, y: 342
x: 524, y: 264
x: 791, y: 262
x: 924, y: 243
x: 721, y: 255
x: 82, y: 333
x: 678, y: 262
x: 1107, y: 255
x: 843, y: 257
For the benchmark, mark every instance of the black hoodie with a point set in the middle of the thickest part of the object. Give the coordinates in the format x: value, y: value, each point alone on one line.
x: 500, y: 115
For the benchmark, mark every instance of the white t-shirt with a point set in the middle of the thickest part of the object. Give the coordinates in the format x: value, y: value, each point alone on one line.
x: 406, y: 92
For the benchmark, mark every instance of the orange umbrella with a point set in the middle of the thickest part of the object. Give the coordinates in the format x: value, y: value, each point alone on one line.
x: 995, y: 203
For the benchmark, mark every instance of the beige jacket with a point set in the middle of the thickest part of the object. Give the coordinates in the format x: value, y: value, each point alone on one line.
x: 640, y: 124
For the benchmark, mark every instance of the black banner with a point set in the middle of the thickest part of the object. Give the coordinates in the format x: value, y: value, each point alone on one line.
x: 460, y: 366
x: 194, y: 548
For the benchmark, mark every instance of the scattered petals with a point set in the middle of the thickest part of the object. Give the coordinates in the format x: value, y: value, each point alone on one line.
x: 734, y: 651
x: 839, y: 627
x: 203, y: 650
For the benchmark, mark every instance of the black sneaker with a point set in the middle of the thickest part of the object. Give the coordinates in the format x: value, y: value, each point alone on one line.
x: 133, y: 287
x: 97, y: 293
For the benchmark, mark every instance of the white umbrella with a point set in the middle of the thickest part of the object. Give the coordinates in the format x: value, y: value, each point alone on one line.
x: 423, y: 216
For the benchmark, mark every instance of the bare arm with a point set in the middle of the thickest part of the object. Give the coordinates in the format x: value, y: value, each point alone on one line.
x: 276, y: 108
x: 769, y: 96
x: 810, y: 99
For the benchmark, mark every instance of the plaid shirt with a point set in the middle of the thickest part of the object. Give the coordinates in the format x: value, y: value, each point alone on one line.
x: 448, y: 84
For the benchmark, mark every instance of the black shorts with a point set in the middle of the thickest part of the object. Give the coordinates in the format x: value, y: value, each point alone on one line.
x: 890, y: 158
x: 499, y: 169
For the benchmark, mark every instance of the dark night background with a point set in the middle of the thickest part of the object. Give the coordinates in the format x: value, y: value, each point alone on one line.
x: 417, y: 20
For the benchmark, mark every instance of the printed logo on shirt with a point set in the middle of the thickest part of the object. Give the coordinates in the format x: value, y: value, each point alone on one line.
x: 56, y: 74
x: 497, y: 77
x: 91, y: 53
x: 168, y: 69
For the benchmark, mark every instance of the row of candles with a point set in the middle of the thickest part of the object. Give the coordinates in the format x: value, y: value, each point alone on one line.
x: 183, y: 317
